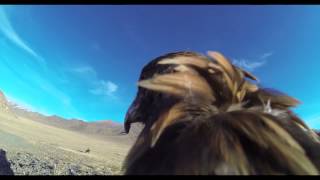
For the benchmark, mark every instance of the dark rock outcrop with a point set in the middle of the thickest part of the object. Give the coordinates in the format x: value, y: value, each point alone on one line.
x: 5, y: 168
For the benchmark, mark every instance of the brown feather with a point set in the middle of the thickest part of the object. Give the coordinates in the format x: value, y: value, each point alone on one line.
x: 223, y: 127
x: 223, y: 62
x: 181, y: 84
x: 185, y: 60
x: 249, y: 75
x: 164, y: 121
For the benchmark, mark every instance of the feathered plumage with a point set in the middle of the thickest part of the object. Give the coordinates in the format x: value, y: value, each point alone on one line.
x: 203, y: 115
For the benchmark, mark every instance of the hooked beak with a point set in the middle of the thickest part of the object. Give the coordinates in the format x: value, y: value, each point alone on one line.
x: 132, y: 115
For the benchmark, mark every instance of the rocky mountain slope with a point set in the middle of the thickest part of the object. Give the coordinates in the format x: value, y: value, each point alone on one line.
x: 36, y: 144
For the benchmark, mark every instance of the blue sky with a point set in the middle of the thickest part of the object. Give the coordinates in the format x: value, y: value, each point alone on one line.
x: 80, y: 61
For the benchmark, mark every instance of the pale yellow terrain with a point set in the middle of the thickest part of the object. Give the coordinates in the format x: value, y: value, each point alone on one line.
x: 59, y: 148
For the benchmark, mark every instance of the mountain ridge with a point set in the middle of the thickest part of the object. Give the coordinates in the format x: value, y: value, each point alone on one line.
x: 99, y: 129
x: 38, y: 144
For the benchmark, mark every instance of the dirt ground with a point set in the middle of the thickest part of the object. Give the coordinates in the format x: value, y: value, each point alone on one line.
x: 37, y: 149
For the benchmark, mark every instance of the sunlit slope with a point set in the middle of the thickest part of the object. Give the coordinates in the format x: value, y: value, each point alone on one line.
x: 19, y: 134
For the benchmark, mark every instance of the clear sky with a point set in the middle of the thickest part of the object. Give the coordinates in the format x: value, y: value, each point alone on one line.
x: 84, y: 61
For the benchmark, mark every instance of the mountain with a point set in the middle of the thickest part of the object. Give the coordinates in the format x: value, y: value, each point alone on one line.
x: 97, y: 129
x: 3, y: 103
x: 51, y: 145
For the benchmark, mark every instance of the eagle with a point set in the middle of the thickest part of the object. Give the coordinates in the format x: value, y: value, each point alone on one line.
x: 203, y: 115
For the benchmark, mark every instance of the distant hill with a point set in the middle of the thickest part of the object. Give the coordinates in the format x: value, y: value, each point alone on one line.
x: 99, y: 129
x: 36, y: 144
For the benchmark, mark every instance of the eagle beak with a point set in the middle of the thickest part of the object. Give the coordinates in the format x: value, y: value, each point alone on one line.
x: 132, y: 115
